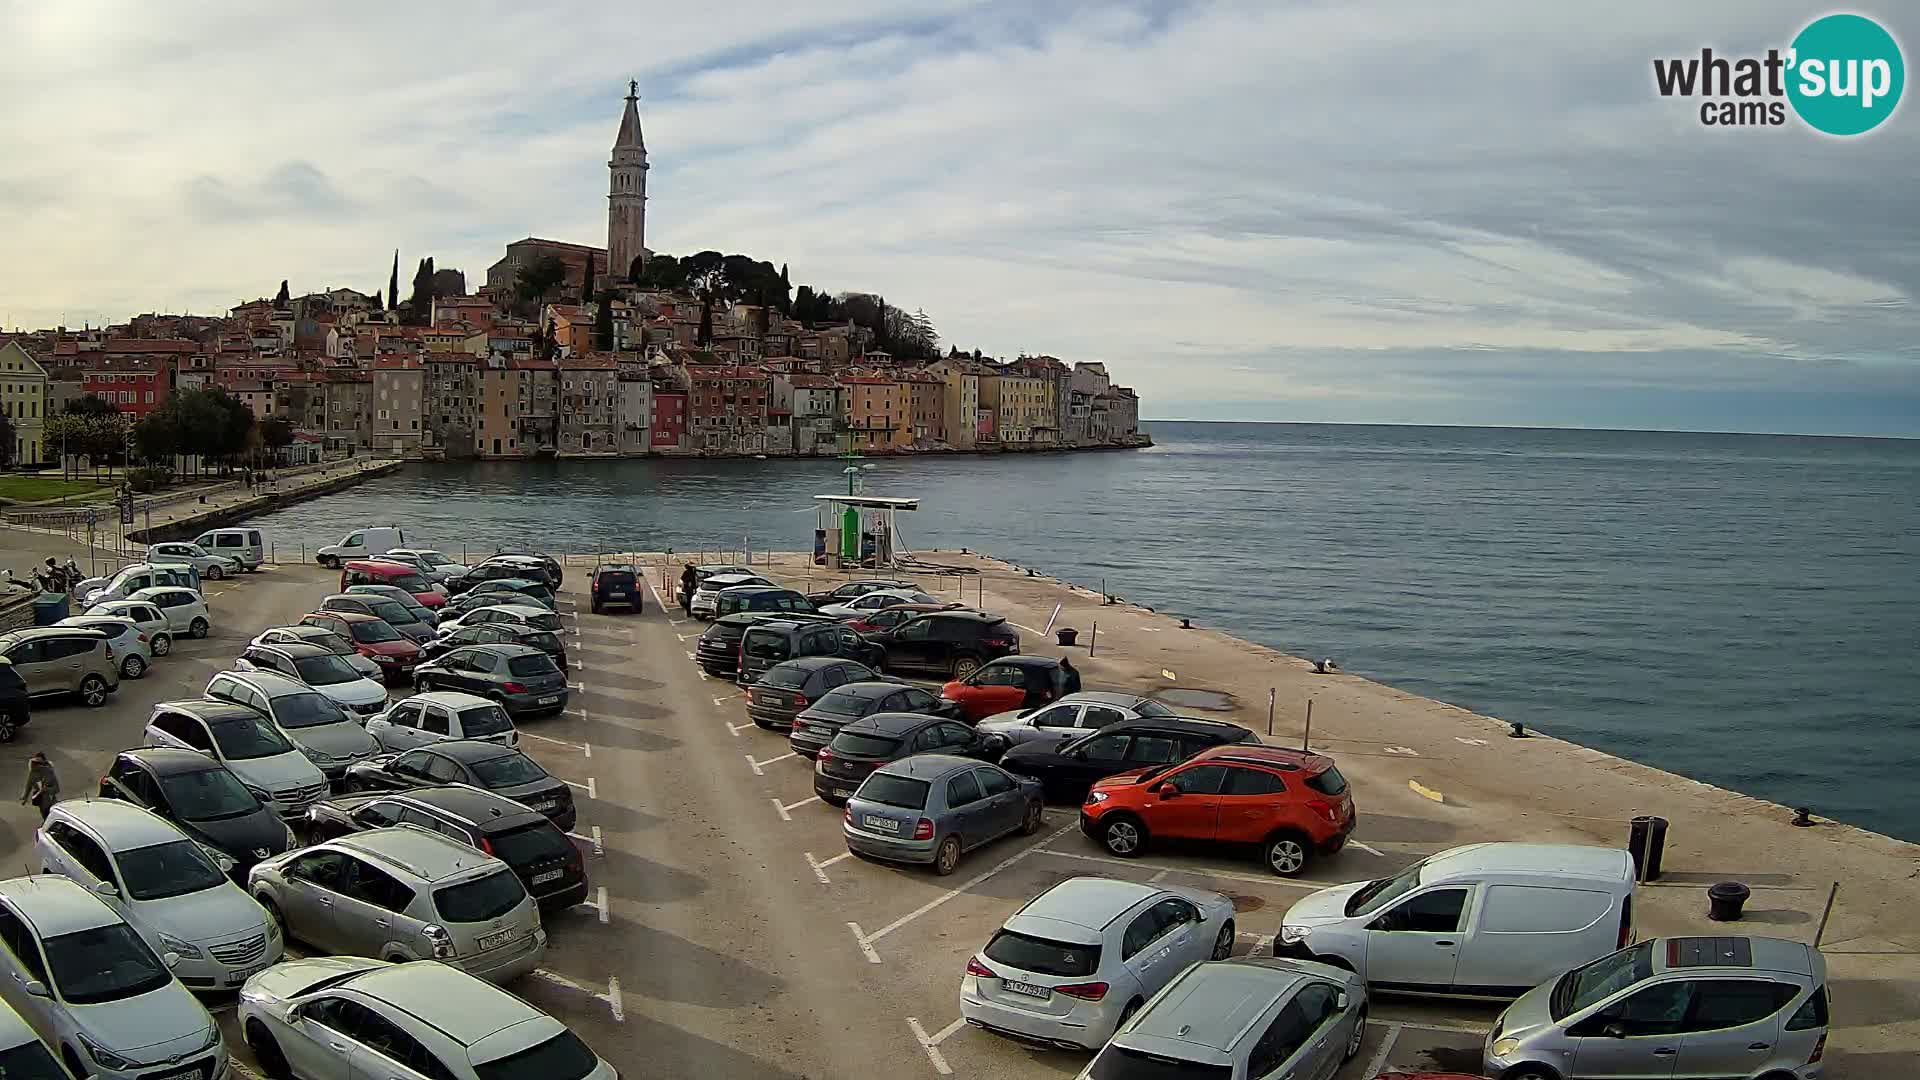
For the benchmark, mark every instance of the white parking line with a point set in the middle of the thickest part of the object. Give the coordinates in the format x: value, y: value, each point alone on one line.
x: 1369, y: 850
x: 783, y: 808
x: 865, y: 946
x: 1380, y: 1055
x: 615, y: 1001
x: 599, y: 903
x: 1157, y: 875
x: 866, y: 940
x: 1029, y: 629
x: 687, y: 637
x: 931, y: 1044
x: 588, y: 750
x: 758, y: 769
x: 1259, y: 944
x: 735, y: 729
x: 1228, y: 875
x: 240, y: 1067
x: 820, y: 868
x: 729, y: 697
x: 599, y: 848
x: 588, y: 787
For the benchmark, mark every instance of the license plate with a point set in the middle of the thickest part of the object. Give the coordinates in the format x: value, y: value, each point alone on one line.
x: 1030, y: 990
x: 494, y: 941
x: 192, y: 1072
x: 551, y: 875
x: 616, y: 594
x: 880, y: 824
x: 550, y: 699
x: 842, y: 793
x: 238, y: 977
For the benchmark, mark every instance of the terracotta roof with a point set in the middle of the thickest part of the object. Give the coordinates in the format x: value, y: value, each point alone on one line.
x: 812, y: 382
x: 558, y: 245
x: 396, y: 363
x: 589, y: 362
x: 139, y: 345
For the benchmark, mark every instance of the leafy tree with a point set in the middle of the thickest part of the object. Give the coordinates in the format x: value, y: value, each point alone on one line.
x: 802, y: 304
x: 91, y: 405
x: 637, y: 268
x: 586, y: 281
x: 275, y: 435
x: 660, y: 272
x: 377, y: 304
x: 540, y: 276
x: 603, y: 324
x: 6, y: 441
x: 711, y: 286
x: 393, y: 283
x: 282, y: 299
x: 158, y: 436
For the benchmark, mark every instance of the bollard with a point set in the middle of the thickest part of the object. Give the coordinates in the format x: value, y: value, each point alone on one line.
x: 1093, y: 636
x: 1185, y: 624
x: 1725, y: 900
x: 1517, y: 730
x: 1066, y: 636
x: 1803, y: 818
x: 1646, y: 842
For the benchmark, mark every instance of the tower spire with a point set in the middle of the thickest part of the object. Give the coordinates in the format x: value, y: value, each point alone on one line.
x: 630, y: 120
x: 627, y: 192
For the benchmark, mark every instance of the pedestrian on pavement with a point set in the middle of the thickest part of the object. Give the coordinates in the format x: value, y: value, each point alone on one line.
x: 1072, y: 674
x: 689, y: 577
x: 43, y: 787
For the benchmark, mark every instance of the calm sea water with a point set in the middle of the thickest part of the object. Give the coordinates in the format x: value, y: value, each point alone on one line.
x: 1741, y: 609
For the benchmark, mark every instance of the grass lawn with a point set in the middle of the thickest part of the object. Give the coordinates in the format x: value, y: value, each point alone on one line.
x: 37, y: 488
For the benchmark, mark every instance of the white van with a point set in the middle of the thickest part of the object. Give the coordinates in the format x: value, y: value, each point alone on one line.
x: 360, y: 544
x: 248, y: 547
x: 1485, y: 920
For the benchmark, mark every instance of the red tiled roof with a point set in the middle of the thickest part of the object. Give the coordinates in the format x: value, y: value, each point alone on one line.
x: 140, y: 345
x: 396, y: 363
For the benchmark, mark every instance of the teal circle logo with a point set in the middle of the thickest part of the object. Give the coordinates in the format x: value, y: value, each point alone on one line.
x: 1847, y: 74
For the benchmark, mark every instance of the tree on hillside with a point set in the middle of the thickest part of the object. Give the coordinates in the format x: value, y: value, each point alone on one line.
x: 539, y: 277
x: 711, y: 287
x: 275, y: 435
x: 378, y: 304
x: 449, y: 282
x: 281, y: 299
x: 586, y: 281
x: 661, y: 272
x: 786, y: 288
x: 393, y: 283
x: 603, y: 324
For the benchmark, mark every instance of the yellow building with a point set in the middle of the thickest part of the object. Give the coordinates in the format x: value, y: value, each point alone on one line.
x: 23, y: 397
x: 1022, y: 407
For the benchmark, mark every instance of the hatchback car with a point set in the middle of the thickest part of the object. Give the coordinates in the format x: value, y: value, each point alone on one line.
x: 322, y: 730
x: 1011, y: 682
x: 953, y: 644
x: 740, y: 598
x: 1069, y: 769
x: 1247, y: 1019
x: 132, y: 646
x: 868, y: 743
x: 1073, y: 716
x: 205, y: 563
x: 772, y: 641
x: 300, y: 634
x: 717, y: 650
x: 394, y: 652
x: 392, y: 612
x: 405, y: 893
x: 186, y: 609
x: 425, y: 613
x: 786, y: 688
x: 706, y: 596
x: 491, y: 612
x: 144, y: 615
x: 876, y: 600
x: 201, y: 796
x: 520, y: 677
x: 407, y: 584
x: 63, y: 660
x: 887, y: 618
x: 533, y: 564
x: 1684, y: 1007
x: 131, y: 579
x: 929, y: 808
x: 1070, y: 965
x: 320, y: 669
x: 441, y: 715
x: 548, y: 862
x: 683, y: 594
x: 165, y: 884
x: 95, y: 989
x: 500, y: 769
x: 816, y: 725
x: 22, y: 1054
x: 1289, y: 805
x: 614, y: 586
x: 515, y: 590
x: 419, y: 1019
x: 434, y: 564
x: 499, y: 633
x: 247, y: 743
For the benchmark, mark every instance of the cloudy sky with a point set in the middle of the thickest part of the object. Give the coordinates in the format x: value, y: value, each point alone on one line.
x: 1475, y: 212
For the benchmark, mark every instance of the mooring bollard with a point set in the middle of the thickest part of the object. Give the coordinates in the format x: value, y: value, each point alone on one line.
x: 1646, y: 842
x: 1803, y: 818
x: 1725, y: 900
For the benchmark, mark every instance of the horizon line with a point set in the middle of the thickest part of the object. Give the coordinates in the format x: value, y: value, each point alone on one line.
x: 1537, y: 427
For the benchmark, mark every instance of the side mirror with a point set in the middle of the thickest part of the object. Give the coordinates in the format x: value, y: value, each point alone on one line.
x: 1341, y: 1001
x: 297, y: 1013
x: 1077, y: 755
x: 172, y: 959
x: 1614, y: 1031
x: 1167, y: 790
x: 107, y: 889
x: 35, y: 988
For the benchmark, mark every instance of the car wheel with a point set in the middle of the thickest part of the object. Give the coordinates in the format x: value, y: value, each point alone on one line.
x: 1359, y: 1035
x: 1286, y: 854
x: 93, y: 691
x: 1223, y: 945
x: 947, y: 859
x: 198, y: 627
x: 328, y: 561
x: 133, y: 667
x: 1126, y: 1014
x: 1123, y: 835
x: 7, y: 730
x: 1036, y: 816
x: 162, y: 644
x: 273, y: 912
x: 73, y: 1062
x: 1530, y: 1071
x: 964, y: 666
x: 423, y: 685
x: 267, y: 1052
x: 214, y: 573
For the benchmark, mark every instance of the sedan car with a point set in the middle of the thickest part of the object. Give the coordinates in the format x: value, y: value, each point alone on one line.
x: 520, y: 678
x: 785, y: 689
x: 876, y: 600
x: 205, y: 563
x: 816, y: 725
x: 499, y: 769
x: 1066, y: 968
x: 1069, y: 769
x: 1006, y: 684
x: 498, y: 633
x: 392, y: 612
x: 929, y: 808
x: 871, y: 742
x: 1073, y: 716
x: 326, y: 639
x: 203, y: 798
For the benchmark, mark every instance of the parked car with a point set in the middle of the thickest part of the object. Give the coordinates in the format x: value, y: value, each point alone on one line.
x: 208, y: 565
x: 16, y: 709
x: 186, y: 611
x: 150, y: 619
x: 706, y: 597
x: 63, y: 660
x: 247, y: 548
x: 773, y: 641
x: 1068, y: 770
x: 204, y: 798
x: 876, y: 600
x: 321, y: 637
x: 434, y: 565
x: 320, y: 669
x: 616, y: 585
x: 868, y: 743
x: 1073, y: 716
x: 130, y: 645
x: 488, y: 632
x: 421, y: 612
x: 500, y: 769
x: 247, y: 743
x: 1246, y: 1019
x: 947, y: 643
x: 547, y: 862
x: 816, y: 725
x: 491, y: 570
x: 408, y: 581
x: 131, y: 579
x: 392, y: 612
x: 464, y: 1029
x: 321, y: 729
x: 379, y: 642
x: 760, y: 598
x: 1485, y: 919
x: 537, y: 563
x: 718, y: 649
x: 165, y: 884
x: 702, y: 573
x: 405, y: 893
x: 929, y: 808
x: 887, y: 618
x: 91, y: 986
x: 1684, y: 1006
x: 850, y: 590
x: 22, y: 1054
x: 502, y: 611
x: 1077, y: 959
x: 521, y: 678
x: 786, y: 688
x: 359, y: 544
x: 437, y: 716
x: 1011, y: 682
x: 1290, y: 805
x: 517, y: 591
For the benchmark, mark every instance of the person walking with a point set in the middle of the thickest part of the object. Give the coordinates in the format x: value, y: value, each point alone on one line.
x: 689, y: 577
x: 43, y: 786
x: 1072, y: 674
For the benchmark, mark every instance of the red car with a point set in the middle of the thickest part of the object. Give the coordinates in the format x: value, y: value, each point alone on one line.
x: 373, y: 638
x: 1011, y: 682
x: 399, y: 575
x: 1291, y: 804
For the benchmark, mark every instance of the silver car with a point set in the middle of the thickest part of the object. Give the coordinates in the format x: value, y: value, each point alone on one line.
x: 1247, y: 1019
x: 132, y: 646
x: 1072, y: 716
x: 929, y: 808
x: 205, y: 563
x: 404, y: 893
x: 1680, y: 1007
x: 302, y: 634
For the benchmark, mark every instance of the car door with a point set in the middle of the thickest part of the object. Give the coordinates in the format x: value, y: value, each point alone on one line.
x: 378, y: 1049
x: 1092, y: 758
x: 1281, y: 1048
x: 480, y: 672
x: 313, y: 881
x: 66, y: 660
x: 441, y: 770
x: 911, y: 647
x: 1058, y: 722
x: 367, y: 908
x: 1003, y: 796
x: 1145, y: 952
x: 87, y: 863
x: 1191, y: 809
x: 966, y: 810
x: 1321, y: 1055
x: 436, y: 724
x: 319, y: 1044
x: 180, y: 730
x: 1415, y: 945
x: 1635, y: 1036
x: 1251, y: 803
x: 409, y: 770
x: 400, y: 728
x: 29, y: 661
x: 1732, y: 1027
x: 1098, y: 716
x: 20, y: 956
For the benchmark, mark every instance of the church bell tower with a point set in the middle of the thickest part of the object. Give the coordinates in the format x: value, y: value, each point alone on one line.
x: 627, y: 193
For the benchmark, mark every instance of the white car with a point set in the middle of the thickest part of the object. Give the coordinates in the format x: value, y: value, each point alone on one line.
x: 131, y: 579
x: 167, y: 886
x: 361, y: 695
x: 248, y: 744
x: 525, y: 614
x: 146, y: 616
x: 132, y: 646
x: 22, y: 1054
x: 359, y: 544
x: 707, y: 597
x: 1081, y: 957
x: 205, y: 563
x: 293, y: 1016
x: 95, y: 990
x: 302, y: 634
x: 1071, y: 717
x: 875, y: 600
x: 186, y: 610
x: 440, y: 715
x: 434, y: 564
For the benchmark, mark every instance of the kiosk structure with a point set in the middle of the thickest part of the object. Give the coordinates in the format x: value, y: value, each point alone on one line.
x: 857, y: 530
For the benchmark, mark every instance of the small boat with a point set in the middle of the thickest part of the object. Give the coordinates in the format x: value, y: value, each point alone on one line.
x: 759, y: 457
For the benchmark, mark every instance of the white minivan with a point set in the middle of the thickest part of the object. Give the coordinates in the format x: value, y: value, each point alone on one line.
x: 360, y: 544
x: 1485, y: 920
x: 248, y: 547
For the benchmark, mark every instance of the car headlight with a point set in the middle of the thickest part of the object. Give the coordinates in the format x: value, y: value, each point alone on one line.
x: 105, y: 1058
x: 213, y: 1037
x: 321, y: 755
x: 1294, y: 935
x: 186, y: 949
x: 1503, y: 1047
x: 259, y: 793
x: 381, y: 658
x: 1098, y: 797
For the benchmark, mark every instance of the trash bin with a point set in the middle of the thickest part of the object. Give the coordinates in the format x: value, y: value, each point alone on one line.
x: 1725, y: 900
x: 1067, y: 635
x: 1646, y: 840
x: 49, y: 609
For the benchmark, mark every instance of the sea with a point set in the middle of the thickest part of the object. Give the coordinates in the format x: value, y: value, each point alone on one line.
x: 1740, y: 609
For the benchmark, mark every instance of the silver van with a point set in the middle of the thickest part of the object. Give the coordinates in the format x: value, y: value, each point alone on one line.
x: 248, y: 547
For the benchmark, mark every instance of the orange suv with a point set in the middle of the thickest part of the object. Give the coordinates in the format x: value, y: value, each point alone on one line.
x: 1293, y: 804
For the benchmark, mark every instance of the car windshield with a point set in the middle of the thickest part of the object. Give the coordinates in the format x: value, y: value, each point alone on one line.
x: 544, y: 640
x: 1329, y: 782
x: 766, y: 646
x: 175, y: 868
x: 484, y: 720
x: 434, y: 559
x: 1121, y: 1063
x: 324, y: 670
x: 543, y: 622
x: 480, y: 899
x: 889, y: 790
x: 531, y: 665
x: 1044, y: 956
x: 858, y: 744
x: 412, y: 583
x: 508, y: 770
x: 1584, y: 986
x: 30, y: 1061
x: 371, y: 632
x: 1152, y: 710
x: 1375, y: 895
x: 563, y: 1057
x: 306, y: 710
x: 207, y: 795
x: 839, y: 704
x: 106, y: 963
x: 331, y: 642
x: 530, y: 843
x: 785, y: 677
x: 243, y: 738
x: 393, y: 611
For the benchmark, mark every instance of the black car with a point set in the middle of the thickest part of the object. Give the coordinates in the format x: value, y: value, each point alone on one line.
x: 528, y: 559
x: 1067, y: 769
x: 546, y: 861
x: 743, y: 598
x: 521, y: 678
x: 773, y: 641
x: 868, y: 743
x: 15, y: 709
x: 205, y: 800
x: 952, y: 644
x: 815, y: 726
x: 718, y: 650
x: 500, y: 769
x: 853, y: 590
x: 614, y: 586
x: 498, y: 633
x: 498, y: 571
x: 784, y: 689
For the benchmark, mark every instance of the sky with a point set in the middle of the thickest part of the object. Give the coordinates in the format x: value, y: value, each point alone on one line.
x: 1398, y: 212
